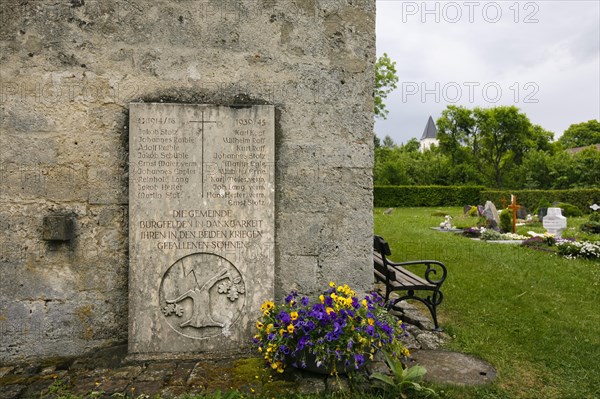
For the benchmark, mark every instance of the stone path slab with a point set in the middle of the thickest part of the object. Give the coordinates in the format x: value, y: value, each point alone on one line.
x: 453, y: 368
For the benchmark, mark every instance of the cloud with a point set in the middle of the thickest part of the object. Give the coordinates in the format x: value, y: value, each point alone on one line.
x: 548, y: 67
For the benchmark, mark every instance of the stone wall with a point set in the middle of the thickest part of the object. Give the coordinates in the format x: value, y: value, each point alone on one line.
x: 69, y: 70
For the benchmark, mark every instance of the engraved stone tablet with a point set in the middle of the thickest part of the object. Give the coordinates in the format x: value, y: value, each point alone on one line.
x: 201, y: 225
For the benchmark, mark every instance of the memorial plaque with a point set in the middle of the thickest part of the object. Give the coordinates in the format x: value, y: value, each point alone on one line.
x: 201, y: 225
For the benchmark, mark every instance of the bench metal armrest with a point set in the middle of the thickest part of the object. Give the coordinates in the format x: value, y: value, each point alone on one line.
x: 433, y: 268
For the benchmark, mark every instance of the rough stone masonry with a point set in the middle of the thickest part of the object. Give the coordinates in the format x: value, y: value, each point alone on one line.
x: 70, y: 70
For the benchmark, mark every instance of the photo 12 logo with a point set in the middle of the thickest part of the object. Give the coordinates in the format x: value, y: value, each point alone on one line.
x: 470, y: 11
x: 471, y: 92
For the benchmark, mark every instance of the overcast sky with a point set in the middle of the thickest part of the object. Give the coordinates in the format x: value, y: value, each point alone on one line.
x: 541, y: 56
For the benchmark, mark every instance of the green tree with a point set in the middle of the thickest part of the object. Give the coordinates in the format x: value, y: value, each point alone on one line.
x: 388, y: 141
x: 488, y: 142
x: 412, y: 145
x: 581, y: 134
x: 392, y: 167
x: 541, y: 139
x: 587, y: 168
x: 457, y: 132
x: 376, y: 141
x: 503, y: 135
x: 385, y: 83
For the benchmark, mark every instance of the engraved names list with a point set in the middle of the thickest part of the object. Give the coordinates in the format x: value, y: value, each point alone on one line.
x: 201, y: 222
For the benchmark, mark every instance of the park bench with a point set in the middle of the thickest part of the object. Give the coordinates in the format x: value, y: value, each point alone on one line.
x: 396, y: 277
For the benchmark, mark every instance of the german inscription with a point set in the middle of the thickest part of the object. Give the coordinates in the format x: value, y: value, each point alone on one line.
x: 201, y: 221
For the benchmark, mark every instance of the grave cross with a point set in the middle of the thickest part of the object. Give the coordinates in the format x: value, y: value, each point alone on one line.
x: 201, y: 132
x: 513, y: 206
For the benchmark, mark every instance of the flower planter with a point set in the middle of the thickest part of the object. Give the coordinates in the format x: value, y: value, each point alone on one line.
x: 335, y: 324
x: 325, y: 369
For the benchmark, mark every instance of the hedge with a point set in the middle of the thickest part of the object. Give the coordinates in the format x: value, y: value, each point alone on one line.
x: 407, y: 196
x: 533, y: 199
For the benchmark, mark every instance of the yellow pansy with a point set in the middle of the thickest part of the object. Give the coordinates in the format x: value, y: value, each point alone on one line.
x: 259, y: 325
x: 294, y: 315
x: 267, y: 305
x: 290, y: 328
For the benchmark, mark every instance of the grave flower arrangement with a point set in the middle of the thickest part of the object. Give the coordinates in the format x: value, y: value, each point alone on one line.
x: 337, y: 329
x: 575, y: 249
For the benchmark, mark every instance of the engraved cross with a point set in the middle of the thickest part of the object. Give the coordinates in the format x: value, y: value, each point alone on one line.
x: 202, y: 121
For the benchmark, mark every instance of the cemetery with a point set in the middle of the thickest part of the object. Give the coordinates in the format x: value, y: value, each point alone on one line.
x: 190, y: 208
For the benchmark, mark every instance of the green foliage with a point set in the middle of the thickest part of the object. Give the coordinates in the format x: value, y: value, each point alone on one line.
x: 591, y: 227
x: 403, y: 382
x: 405, y: 196
x: 385, y: 83
x: 493, y: 140
x: 581, y: 134
x: 569, y: 210
x: 491, y: 235
x: 412, y: 146
x: 388, y: 142
x: 495, y: 147
x: 473, y: 212
x: 59, y: 390
x: 532, y: 199
x: 558, y: 170
x: 406, y: 165
x: 506, y: 221
x: 376, y: 141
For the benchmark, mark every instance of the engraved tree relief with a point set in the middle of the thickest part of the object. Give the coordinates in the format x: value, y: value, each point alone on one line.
x: 205, y: 290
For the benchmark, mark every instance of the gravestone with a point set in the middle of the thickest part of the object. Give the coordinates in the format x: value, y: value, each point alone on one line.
x: 201, y: 220
x: 594, y: 207
x: 554, y: 222
x: 491, y: 214
x: 480, y: 210
x: 542, y: 212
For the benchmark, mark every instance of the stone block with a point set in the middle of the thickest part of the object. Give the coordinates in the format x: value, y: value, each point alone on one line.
x: 58, y: 228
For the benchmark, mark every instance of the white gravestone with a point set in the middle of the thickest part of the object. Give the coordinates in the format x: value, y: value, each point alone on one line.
x: 201, y: 220
x: 554, y: 222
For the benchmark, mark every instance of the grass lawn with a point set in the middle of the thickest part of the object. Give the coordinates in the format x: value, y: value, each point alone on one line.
x: 533, y: 315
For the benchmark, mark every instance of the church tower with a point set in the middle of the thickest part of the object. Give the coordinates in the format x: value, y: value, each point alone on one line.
x: 429, y: 135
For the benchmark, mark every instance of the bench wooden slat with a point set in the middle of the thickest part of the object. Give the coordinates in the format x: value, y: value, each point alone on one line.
x: 397, y: 278
x: 402, y: 275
